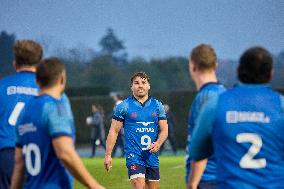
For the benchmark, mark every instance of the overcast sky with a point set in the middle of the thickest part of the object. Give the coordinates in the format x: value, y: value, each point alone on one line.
x: 148, y: 28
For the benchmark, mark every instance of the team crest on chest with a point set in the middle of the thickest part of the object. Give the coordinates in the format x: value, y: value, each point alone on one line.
x: 154, y: 114
x: 134, y: 115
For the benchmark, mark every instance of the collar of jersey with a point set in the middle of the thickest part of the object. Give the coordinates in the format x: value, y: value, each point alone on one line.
x: 248, y: 85
x: 209, y: 83
x: 25, y: 71
x: 48, y: 96
x: 142, y: 104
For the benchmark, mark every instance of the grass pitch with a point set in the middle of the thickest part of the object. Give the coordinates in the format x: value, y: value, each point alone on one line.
x: 171, y: 172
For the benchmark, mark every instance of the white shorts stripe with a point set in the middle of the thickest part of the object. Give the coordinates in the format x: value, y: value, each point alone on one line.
x: 140, y: 175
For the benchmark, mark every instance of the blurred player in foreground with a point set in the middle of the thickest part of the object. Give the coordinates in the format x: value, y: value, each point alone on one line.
x: 202, y: 69
x: 15, y: 91
x: 244, y: 127
x: 45, y: 136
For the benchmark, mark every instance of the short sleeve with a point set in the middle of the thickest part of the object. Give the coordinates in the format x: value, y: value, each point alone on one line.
x: 161, y: 111
x: 57, y: 118
x: 120, y: 111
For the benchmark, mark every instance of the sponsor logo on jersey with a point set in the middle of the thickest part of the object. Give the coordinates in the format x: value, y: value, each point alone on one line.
x: 242, y: 116
x: 22, y: 90
x: 142, y: 130
x: 145, y: 123
x: 26, y: 128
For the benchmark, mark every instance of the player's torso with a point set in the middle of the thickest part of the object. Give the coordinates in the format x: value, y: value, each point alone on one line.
x: 15, y: 91
x: 205, y: 93
x: 141, y: 129
x: 249, y: 138
x: 43, y: 168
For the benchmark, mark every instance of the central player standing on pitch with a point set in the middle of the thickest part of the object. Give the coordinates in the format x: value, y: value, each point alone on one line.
x: 145, y: 126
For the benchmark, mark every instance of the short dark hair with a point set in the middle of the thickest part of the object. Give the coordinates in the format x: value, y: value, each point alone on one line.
x: 255, y: 66
x: 204, y: 57
x: 27, y: 53
x: 142, y: 75
x: 48, y: 71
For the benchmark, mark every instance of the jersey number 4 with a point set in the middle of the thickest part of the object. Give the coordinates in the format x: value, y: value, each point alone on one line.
x: 248, y: 161
x: 15, y: 113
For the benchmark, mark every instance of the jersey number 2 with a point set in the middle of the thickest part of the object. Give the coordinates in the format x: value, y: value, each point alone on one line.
x: 248, y: 161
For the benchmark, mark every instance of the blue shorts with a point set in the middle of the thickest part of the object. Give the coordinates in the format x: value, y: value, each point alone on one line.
x: 7, y: 161
x: 139, y: 171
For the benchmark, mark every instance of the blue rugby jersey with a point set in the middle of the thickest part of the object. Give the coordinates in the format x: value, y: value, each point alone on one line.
x: 43, y: 119
x: 246, y: 125
x: 141, y: 128
x: 15, y: 91
x: 207, y: 91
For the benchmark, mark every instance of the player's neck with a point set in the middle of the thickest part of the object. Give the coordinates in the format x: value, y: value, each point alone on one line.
x: 54, y: 92
x: 202, y: 79
x: 142, y: 99
x: 24, y: 68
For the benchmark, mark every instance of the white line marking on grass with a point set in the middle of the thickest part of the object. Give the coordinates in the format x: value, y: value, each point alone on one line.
x: 177, y: 167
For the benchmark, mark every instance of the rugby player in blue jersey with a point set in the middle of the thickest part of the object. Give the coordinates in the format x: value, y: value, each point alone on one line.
x: 144, y: 121
x: 15, y: 91
x: 202, y: 67
x: 45, y: 152
x: 244, y: 127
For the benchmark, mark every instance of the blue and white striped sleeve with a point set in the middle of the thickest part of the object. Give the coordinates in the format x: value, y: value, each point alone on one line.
x: 120, y: 111
x: 57, y: 119
x: 201, y: 143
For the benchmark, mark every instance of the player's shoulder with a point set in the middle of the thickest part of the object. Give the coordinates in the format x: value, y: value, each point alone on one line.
x: 124, y: 104
x: 7, y: 79
x: 209, y: 90
x: 49, y: 103
x: 156, y: 101
x: 212, y: 87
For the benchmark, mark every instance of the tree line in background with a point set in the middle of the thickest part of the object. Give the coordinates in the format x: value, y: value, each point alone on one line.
x: 110, y: 68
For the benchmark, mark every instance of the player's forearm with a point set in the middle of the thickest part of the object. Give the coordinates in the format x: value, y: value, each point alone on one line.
x: 163, y: 135
x: 110, y: 142
x: 196, y: 171
x: 18, y: 174
x: 76, y: 167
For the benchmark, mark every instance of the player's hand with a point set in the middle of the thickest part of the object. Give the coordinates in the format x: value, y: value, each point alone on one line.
x: 108, y: 162
x: 155, y: 147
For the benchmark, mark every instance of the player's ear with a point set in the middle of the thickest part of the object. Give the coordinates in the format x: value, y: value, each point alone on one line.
x: 15, y: 65
x: 63, y: 78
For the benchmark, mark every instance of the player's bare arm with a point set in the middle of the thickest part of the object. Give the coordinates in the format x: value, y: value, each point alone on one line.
x: 66, y: 152
x: 18, y: 172
x: 163, y: 134
x: 110, y: 142
x: 196, y: 172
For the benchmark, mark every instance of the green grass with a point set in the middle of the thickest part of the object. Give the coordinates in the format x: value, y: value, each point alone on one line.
x: 171, y: 171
